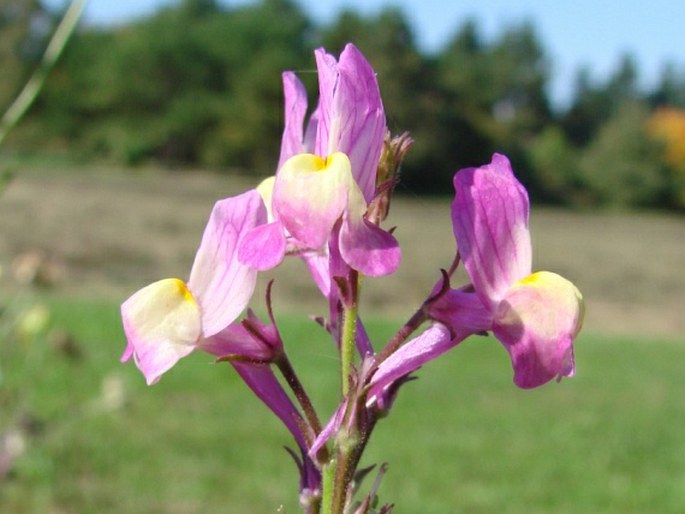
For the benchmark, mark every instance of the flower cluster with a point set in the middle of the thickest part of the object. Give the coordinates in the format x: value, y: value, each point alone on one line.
x: 325, y: 206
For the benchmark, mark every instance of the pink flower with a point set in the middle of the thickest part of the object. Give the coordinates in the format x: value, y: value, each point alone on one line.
x: 168, y: 319
x: 535, y: 316
x: 327, y: 174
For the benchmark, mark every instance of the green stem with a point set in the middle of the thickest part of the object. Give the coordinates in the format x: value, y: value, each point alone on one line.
x: 329, y: 472
x: 338, y: 471
x: 347, y: 347
x: 349, y: 333
x: 341, y: 486
x: 59, y: 40
x: 349, y: 454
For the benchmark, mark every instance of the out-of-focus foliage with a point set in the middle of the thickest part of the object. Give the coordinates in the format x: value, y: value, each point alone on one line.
x: 622, y: 165
x: 554, y: 167
x: 667, y: 125
x: 24, y: 27
x: 194, y: 84
x: 198, y: 85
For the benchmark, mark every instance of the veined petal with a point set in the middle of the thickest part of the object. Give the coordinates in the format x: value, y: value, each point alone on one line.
x: 310, y: 195
x: 537, y: 321
x: 292, y: 142
x: 263, y: 247
x: 363, y: 245
x: 368, y: 248
x: 221, y: 283
x: 327, y: 70
x: 490, y: 221
x: 162, y: 324
x: 351, y: 115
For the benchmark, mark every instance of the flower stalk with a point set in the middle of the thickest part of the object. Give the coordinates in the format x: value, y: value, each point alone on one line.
x: 349, y: 333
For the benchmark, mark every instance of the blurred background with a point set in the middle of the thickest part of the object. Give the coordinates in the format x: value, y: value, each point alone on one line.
x: 590, y: 109
x: 156, y: 109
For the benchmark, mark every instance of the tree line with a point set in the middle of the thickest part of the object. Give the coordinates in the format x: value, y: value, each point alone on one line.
x: 197, y: 84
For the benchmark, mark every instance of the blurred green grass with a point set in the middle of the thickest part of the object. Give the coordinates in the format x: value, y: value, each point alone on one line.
x: 462, y: 438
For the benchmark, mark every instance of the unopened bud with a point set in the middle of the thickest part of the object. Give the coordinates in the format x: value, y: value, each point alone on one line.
x: 394, y: 150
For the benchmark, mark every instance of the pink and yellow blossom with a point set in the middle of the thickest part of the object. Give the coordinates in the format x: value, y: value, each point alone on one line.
x: 535, y: 316
x: 169, y: 319
x: 326, y: 175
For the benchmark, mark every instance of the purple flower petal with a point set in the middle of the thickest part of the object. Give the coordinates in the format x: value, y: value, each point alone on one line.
x: 537, y: 322
x: 236, y: 342
x: 261, y: 380
x: 330, y: 429
x: 369, y: 249
x: 461, y: 311
x: 490, y: 220
x: 222, y: 284
x: 318, y: 266
x: 351, y: 116
x: 432, y: 343
x: 362, y: 340
x: 263, y: 247
x: 295, y: 94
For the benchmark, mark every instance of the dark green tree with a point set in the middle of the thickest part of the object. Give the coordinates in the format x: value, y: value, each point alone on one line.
x: 408, y: 84
x: 194, y: 84
x: 554, y: 169
x: 622, y: 166
x: 594, y: 103
x: 494, y: 95
x: 670, y: 91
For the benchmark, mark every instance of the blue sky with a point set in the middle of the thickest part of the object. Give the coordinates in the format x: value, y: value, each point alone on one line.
x: 574, y: 33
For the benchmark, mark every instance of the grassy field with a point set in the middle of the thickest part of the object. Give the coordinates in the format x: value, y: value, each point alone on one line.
x: 462, y: 438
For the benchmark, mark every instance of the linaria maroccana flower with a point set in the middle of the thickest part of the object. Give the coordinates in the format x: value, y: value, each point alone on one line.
x: 535, y: 316
x: 327, y: 173
x: 166, y: 320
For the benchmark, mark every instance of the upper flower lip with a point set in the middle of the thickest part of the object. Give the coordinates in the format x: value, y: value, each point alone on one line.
x: 490, y: 220
x: 293, y: 139
x: 349, y: 117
